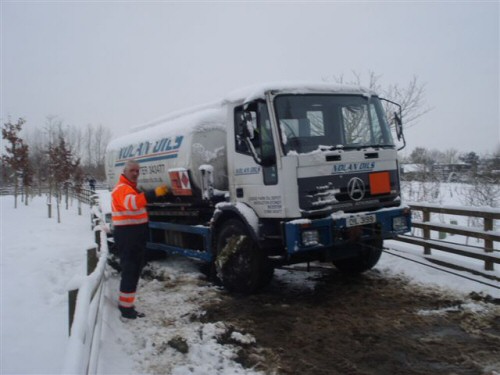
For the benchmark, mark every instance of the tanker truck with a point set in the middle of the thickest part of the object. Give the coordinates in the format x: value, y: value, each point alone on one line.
x: 269, y: 176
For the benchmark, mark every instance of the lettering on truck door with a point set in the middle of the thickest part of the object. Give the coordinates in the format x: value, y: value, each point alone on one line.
x: 255, y: 184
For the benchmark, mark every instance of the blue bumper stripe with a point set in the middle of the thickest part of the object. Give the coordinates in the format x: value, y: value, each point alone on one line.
x: 330, y: 229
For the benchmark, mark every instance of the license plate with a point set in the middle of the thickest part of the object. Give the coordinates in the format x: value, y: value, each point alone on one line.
x: 353, y: 221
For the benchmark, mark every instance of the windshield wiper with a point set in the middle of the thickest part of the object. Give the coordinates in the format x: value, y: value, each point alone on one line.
x: 379, y: 146
x: 331, y: 148
x: 361, y: 147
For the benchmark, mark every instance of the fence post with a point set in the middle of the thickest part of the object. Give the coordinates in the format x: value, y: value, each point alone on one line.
x: 488, y: 243
x: 72, y: 296
x: 427, y: 231
x: 91, y: 260
x: 97, y: 234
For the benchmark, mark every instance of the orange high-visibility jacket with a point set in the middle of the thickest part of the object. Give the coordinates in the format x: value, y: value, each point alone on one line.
x: 128, y: 205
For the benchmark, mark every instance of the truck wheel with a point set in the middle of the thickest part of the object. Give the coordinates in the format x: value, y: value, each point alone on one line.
x: 240, y: 263
x: 368, y: 256
x: 267, y: 274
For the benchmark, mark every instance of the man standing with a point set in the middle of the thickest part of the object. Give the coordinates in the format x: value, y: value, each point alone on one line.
x: 130, y: 220
x: 92, y: 184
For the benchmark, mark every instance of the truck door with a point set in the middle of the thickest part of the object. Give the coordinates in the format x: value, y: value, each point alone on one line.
x: 255, y: 170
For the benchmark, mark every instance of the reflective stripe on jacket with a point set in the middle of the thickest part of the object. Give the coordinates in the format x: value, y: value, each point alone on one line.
x: 128, y: 205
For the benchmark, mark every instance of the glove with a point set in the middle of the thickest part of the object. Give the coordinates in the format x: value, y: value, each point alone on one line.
x: 161, y: 190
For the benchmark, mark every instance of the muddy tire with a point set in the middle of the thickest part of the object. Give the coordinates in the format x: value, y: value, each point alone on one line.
x: 368, y: 255
x: 240, y: 265
x: 266, y: 275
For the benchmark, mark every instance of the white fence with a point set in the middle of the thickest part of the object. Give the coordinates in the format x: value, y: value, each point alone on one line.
x: 85, y: 331
x: 431, y: 219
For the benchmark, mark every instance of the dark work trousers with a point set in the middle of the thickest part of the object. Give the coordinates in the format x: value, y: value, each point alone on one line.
x: 131, y: 242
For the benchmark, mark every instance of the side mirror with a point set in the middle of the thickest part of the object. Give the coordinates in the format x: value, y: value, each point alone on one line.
x: 248, y: 132
x: 398, y: 122
x: 399, y: 125
x: 399, y: 129
x: 246, y: 125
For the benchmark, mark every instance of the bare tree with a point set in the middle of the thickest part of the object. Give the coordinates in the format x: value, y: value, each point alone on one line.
x: 436, y: 156
x: 450, y: 156
x: 96, y: 139
x: 88, y: 144
x: 26, y: 173
x: 102, y: 137
x: 16, y: 157
x: 73, y: 135
x: 63, y: 168
x: 88, y: 136
x: 53, y: 129
x: 36, y: 139
x: 411, y: 97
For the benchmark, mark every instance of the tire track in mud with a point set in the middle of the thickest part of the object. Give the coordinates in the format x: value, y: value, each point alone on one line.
x: 328, y: 323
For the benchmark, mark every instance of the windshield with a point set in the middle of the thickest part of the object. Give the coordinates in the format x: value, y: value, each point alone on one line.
x: 326, y: 122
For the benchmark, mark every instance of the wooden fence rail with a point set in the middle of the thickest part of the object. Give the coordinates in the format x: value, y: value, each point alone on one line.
x: 487, y: 253
x: 83, y: 195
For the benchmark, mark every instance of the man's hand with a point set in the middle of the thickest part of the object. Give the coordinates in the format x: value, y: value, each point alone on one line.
x: 161, y: 190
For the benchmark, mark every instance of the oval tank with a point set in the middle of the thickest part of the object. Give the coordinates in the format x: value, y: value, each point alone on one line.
x: 184, y: 141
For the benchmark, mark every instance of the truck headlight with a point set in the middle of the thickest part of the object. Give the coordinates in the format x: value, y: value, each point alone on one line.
x: 399, y: 223
x: 310, y: 237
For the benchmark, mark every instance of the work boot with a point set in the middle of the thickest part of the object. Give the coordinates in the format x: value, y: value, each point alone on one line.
x: 131, y: 313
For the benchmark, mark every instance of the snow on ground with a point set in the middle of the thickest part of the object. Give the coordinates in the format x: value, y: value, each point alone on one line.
x: 41, y: 258
x: 395, y: 266
x: 156, y: 343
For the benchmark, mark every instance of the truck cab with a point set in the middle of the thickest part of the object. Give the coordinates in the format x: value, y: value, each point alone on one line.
x: 319, y: 168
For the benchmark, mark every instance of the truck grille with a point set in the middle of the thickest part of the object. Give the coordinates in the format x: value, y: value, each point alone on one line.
x: 331, y: 193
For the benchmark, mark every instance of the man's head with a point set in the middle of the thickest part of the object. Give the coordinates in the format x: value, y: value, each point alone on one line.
x: 131, y: 171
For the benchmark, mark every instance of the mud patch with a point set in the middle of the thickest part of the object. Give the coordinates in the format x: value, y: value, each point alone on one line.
x: 326, y: 323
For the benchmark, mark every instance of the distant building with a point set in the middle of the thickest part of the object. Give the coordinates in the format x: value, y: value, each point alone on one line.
x: 413, y: 171
x: 453, y: 172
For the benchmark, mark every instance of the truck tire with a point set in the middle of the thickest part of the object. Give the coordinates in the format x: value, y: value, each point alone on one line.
x: 368, y: 255
x: 267, y: 274
x: 240, y: 264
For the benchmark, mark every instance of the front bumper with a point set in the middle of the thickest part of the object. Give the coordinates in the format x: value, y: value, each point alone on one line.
x: 304, y: 235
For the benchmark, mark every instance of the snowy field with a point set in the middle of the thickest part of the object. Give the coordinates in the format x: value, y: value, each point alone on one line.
x: 41, y: 259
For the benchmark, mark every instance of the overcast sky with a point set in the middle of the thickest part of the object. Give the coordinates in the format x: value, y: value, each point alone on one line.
x: 121, y: 64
